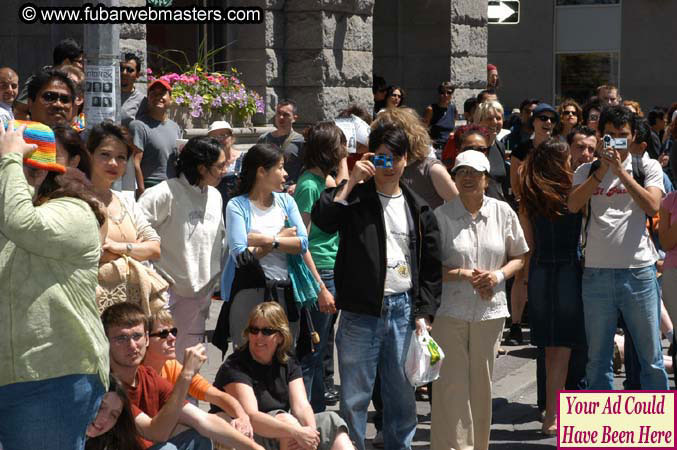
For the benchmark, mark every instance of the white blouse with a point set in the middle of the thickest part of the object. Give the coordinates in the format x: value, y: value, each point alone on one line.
x: 486, y: 242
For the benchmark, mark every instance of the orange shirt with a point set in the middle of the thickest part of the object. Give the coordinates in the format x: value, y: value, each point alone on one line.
x: 198, y: 387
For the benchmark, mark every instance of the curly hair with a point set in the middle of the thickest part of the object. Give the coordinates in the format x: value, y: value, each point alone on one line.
x: 464, y: 131
x: 559, y: 128
x: 634, y: 105
x: 411, y: 123
x: 546, y: 180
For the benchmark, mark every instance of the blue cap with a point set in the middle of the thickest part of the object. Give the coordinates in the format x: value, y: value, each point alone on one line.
x: 541, y: 108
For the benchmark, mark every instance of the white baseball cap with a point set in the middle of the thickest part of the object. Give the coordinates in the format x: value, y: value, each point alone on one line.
x: 219, y: 125
x: 472, y: 158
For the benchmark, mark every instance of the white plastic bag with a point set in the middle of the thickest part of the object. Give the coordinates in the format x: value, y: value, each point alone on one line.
x: 424, y: 359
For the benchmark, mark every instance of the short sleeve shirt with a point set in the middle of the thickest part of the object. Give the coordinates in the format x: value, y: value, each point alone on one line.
x: 269, y: 382
x: 157, y: 141
x: 322, y: 246
x: 617, y: 234
x: 486, y: 242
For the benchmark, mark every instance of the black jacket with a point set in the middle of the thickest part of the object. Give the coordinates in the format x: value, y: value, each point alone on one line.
x: 360, y: 268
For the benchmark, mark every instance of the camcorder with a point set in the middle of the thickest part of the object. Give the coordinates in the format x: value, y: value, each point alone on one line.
x: 617, y: 143
x: 382, y: 161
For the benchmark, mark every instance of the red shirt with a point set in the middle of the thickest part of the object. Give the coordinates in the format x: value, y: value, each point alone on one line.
x: 149, y: 395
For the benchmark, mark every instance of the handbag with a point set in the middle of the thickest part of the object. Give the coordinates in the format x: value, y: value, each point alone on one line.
x: 127, y: 280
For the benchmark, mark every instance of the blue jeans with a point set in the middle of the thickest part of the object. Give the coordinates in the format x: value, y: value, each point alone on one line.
x: 311, y: 364
x: 52, y: 413
x: 633, y: 292
x: 186, y: 440
x: 363, y: 343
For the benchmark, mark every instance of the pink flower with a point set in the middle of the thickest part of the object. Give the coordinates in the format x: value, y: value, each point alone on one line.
x: 149, y: 71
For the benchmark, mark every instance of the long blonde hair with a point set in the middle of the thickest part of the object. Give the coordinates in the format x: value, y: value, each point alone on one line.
x: 274, y: 315
x: 411, y: 123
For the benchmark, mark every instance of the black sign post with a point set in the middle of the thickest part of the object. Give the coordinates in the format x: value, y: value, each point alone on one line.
x: 504, y: 12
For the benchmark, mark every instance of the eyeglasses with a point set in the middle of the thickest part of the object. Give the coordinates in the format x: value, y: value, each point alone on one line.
x: 593, y: 117
x: 395, y: 95
x: 125, y: 338
x: 52, y: 97
x: 164, y: 334
x: 477, y: 148
x: 568, y: 113
x: 545, y: 118
x: 128, y: 69
x: 267, y: 331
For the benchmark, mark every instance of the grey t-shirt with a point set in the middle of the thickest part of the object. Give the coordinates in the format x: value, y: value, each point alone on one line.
x: 293, y: 153
x: 157, y: 141
x: 130, y: 106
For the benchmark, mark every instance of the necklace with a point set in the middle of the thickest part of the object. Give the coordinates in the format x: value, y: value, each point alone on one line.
x: 117, y: 221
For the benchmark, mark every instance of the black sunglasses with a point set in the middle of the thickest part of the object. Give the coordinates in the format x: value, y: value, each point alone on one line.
x: 164, y: 334
x: 267, y: 331
x: 545, y: 118
x: 128, y: 69
x: 52, y: 97
x: 568, y: 113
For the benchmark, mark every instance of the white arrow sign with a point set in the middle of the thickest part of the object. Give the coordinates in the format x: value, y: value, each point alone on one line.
x: 499, y: 11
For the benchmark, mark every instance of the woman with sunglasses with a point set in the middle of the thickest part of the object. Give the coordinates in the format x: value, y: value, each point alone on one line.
x: 186, y: 212
x: 394, y: 97
x: 264, y: 226
x: 489, y: 115
x: 440, y: 117
x: 591, y: 111
x: 482, y: 245
x: 268, y: 383
x: 554, y: 265
x: 161, y: 357
x: 571, y: 115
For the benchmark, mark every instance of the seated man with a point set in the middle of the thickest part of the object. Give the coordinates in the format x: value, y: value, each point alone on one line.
x: 161, y: 356
x: 157, y: 406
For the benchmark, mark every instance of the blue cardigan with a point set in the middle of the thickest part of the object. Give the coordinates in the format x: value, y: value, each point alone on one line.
x: 238, y: 224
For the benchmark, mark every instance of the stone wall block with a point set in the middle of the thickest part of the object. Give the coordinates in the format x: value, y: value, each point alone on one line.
x: 469, y: 11
x: 132, y: 31
x: 329, y: 68
x: 469, y: 71
x: 468, y: 40
x: 347, y: 31
x: 348, y: 6
x: 304, y: 30
x: 325, y: 103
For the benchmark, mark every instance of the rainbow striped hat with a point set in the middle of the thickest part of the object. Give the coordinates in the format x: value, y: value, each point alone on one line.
x: 43, y: 136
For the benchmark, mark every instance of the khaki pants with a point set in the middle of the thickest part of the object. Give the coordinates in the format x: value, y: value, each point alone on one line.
x: 461, y: 410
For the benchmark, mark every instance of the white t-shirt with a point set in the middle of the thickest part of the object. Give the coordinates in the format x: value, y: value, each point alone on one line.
x: 617, y: 234
x: 269, y: 222
x: 398, y: 259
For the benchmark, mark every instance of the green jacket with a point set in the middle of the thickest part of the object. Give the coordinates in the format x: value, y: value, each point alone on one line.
x: 49, y: 257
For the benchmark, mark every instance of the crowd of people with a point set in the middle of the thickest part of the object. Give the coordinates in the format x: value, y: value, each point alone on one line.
x: 360, y: 231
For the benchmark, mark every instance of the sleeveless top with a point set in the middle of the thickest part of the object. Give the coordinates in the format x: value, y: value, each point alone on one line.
x: 442, y: 125
x: 417, y: 177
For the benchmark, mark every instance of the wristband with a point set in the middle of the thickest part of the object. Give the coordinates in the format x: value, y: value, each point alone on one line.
x: 500, y: 276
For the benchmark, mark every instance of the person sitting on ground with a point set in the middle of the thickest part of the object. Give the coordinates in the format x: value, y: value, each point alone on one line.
x: 161, y: 357
x: 268, y: 383
x: 158, y: 407
x: 113, y: 427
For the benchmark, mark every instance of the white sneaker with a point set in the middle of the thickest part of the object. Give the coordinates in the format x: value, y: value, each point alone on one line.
x: 378, y: 440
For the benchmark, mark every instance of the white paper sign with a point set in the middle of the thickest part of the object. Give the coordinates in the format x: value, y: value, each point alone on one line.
x: 100, y: 94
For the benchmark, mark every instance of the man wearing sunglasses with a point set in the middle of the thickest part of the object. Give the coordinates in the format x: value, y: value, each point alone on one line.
x: 51, y: 96
x: 157, y: 406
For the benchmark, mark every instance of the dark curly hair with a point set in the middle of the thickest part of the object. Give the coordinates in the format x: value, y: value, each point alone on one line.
x: 198, y: 151
x: 464, y: 131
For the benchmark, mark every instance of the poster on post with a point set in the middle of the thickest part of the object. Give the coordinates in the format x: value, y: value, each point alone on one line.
x: 100, y: 91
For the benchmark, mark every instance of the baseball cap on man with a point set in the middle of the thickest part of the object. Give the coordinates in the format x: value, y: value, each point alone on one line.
x: 471, y: 158
x: 161, y: 82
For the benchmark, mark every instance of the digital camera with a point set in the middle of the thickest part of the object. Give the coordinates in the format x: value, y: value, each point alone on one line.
x: 382, y: 161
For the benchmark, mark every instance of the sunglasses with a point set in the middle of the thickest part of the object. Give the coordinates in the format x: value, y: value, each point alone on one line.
x: 477, y: 148
x: 128, y: 69
x: 164, y: 334
x: 52, y: 97
x: 267, y: 331
x: 568, y: 113
x: 593, y: 117
x: 545, y: 118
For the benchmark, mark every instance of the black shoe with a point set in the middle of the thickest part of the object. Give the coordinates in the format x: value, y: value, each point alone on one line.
x: 515, y: 335
x: 331, y: 398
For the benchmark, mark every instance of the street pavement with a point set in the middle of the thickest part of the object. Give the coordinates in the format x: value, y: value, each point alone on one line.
x: 515, y: 415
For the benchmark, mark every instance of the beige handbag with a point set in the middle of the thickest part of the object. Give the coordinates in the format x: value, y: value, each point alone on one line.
x: 127, y: 280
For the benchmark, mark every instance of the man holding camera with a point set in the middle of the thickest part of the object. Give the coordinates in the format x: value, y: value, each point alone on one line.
x: 620, y: 273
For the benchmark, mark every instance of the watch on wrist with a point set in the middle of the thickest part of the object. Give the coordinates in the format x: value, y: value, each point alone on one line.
x: 276, y: 243
x: 130, y: 247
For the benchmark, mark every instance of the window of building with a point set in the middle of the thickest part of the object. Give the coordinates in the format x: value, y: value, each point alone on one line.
x: 579, y: 74
x: 587, y: 2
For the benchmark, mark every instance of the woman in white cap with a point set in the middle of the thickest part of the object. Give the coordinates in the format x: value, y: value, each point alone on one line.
x: 482, y: 245
x: 223, y: 132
